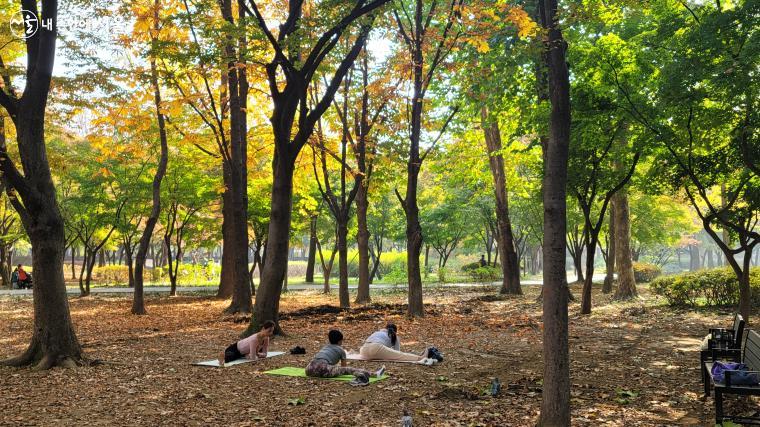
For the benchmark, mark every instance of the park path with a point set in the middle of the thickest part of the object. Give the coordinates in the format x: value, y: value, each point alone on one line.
x: 291, y: 287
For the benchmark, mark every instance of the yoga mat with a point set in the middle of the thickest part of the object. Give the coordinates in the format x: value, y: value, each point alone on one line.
x: 215, y: 363
x: 290, y: 371
x: 357, y: 356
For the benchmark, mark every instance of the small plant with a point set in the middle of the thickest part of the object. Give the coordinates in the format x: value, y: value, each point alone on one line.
x: 645, y: 273
x: 297, y: 401
x: 443, y: 274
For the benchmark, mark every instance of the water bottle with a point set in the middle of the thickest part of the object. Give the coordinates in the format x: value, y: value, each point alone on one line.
x: 406, y: 420
x: 495, y: 387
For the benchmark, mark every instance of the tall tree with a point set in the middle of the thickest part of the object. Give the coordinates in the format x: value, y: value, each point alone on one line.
x: 235, y: 168
x: 32, y: 194
x: 510, y: 264
x: 138, y: 302
x: 704, y: 117
x: 555, y: 403
x: 293, y: 122
x: 429, y: 35
x: 338, y: 202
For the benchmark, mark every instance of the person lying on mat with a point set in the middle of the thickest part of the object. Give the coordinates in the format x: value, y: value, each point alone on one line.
x: 385, y: 345
x: 253, y: 347
x: 325, y: 362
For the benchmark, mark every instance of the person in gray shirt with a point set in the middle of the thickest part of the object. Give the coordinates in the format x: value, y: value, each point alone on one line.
x: 325, y: 362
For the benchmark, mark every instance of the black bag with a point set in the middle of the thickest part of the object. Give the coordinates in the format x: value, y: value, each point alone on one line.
x: 297, y: 350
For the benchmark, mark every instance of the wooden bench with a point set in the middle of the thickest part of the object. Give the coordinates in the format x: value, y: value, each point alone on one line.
x: 723, y: 349
x: 751, y: 358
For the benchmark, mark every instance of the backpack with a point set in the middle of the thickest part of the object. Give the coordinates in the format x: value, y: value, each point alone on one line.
x: 739, y: 373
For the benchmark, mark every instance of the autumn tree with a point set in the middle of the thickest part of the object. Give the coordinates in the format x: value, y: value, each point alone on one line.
x: 138, y: 304
x: 428, y: 31
x: 290, y: 74
x: 33, y: 195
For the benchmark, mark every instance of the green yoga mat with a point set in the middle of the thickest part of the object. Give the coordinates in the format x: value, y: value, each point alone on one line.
x: 290, y: 371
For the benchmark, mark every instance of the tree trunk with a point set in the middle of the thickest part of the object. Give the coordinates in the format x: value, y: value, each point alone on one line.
x: 577, y: 256
x: 130, y: 266
x: 238, y: 92
x: 413, y: 248
x: 626, y: 282
x: 589, y: 281
x: 609, y: 278
x: 510, y: 265
x: 555, y: 404
x: 312, y: 250
x: 343, y: 295
x: 85, y: 263
x: 745, y: 291
x: 694, y: 260
x: 276, y: 252
x: 362, y: 241
x: 226, y: 284
x: 138, y: 303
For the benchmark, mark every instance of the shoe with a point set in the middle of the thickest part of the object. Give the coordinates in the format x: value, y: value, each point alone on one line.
x: 428, y: 361
x: 380, y: 372
x: 434, y: 353
x: 360, y: 381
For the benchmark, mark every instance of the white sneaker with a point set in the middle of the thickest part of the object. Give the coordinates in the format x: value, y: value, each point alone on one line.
x: 428, y: 362
x: 380, y: 372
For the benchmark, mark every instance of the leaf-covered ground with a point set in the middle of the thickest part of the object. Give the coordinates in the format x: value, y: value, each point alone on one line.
x: 632, y: 364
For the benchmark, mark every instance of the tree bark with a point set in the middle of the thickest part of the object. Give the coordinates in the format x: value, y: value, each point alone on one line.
x: 510, y: 264
x: 276, y: 251
x: 226, y: 284
x: 555, y: 403
x: 626, y: 282
x: 138, y: 303
x: 609, y: 278
x: 312, y: 250
x: 343, y: 295
x: 362, y: 241
x: 236, y: 159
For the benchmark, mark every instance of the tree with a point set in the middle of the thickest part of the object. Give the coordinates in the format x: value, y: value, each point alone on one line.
x: 428, y: 47
x: 293, y: 122
x: 703, y: 116
x: 338, y: 204
x: 32, y: 194
x: 555, y: 404
x: 510, y: 261
x: 138, y: 303
x: 188, y: 191
x: 371, y: 99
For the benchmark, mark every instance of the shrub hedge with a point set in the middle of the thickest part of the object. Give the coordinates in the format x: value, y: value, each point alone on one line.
x: 712, y: 287
x: 645, y: 273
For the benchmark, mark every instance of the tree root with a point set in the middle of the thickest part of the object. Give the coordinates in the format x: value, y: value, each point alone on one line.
x: 235, y: 309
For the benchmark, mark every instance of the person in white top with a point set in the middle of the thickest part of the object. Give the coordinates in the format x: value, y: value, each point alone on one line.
x: 385, y: 345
